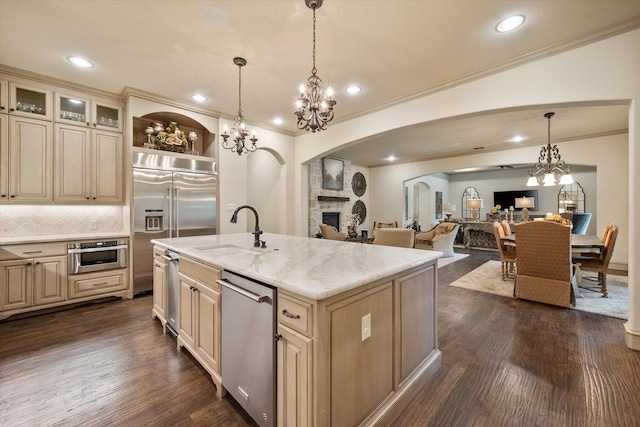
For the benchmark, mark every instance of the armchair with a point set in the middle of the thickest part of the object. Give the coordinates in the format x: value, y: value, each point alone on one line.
x: 331, y: 233
x: 544, y: 268
x: 378, y: 225
x: 439, y: 238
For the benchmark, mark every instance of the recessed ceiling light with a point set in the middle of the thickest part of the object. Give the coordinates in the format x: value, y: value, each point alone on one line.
x: 510, y: 23
x: 353, y: 89
x: 391, y: 158
x: 517, y: 139
x: 80, y: 62
x: 278, y: 121
x: 198, y: 98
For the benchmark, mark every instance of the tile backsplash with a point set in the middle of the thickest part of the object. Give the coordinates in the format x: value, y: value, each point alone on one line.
x: 41, y: 220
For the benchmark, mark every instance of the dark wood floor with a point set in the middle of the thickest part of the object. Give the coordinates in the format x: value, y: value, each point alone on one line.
x: 505, y: 363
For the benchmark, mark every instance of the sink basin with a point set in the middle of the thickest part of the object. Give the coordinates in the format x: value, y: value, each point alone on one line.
x: 227, y: 250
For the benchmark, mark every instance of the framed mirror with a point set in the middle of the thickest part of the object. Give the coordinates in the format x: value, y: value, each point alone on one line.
x: 469, y: 193
x: 571, y: 198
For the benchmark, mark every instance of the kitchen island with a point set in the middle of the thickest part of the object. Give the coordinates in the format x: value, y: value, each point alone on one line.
x: 356, y: 324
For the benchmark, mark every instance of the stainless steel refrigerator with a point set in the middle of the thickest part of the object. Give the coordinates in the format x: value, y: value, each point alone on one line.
x: 172, y: 197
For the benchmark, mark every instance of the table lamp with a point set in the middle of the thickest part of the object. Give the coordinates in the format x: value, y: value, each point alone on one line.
x: 448, y: 209
x: 524, y: 203
x: 475, y: 205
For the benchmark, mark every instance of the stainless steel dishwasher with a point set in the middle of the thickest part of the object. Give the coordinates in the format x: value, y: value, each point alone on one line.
x: 248, y: 345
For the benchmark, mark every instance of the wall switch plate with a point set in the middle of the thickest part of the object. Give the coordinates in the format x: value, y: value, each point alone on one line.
x: 366, y: 326
x: 93, y: 224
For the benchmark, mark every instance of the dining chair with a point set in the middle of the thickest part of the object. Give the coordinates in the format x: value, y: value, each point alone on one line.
x: 544, y: 270
x: 506, y: 227
x: 600, y: 264
x: 507, y: 252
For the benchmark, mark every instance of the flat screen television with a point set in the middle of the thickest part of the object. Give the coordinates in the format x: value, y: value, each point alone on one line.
x: 508, y: 198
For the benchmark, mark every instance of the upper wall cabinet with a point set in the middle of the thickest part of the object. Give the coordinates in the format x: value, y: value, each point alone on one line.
x: 4, y: 96
x: 86, y: 112
x: 29, y: 101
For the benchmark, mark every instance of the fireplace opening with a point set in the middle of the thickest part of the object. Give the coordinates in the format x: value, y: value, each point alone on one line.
x: 331, y: 218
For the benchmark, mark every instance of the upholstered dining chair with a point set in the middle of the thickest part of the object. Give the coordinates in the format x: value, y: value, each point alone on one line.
x: 544, y: 269
x: 506, y: 227
x: 401, y: 237
x: 331, y: 233
x: 600, y: 264
x: 507, y: 253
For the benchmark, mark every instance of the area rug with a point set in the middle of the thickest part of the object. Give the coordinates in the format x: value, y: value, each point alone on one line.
x: 487, y: 278
x: 448, y: 260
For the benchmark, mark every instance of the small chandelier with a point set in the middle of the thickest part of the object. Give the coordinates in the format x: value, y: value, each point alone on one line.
x: 312, y: 97
x: 550, y: 167
x: 239, y: 129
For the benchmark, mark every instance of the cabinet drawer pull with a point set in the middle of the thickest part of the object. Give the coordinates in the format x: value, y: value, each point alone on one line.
x: 32, y: 252
x: 100, y: 284
x: 289, y: 315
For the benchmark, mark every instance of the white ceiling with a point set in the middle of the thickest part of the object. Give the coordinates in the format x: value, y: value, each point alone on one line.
x: 392, y: 49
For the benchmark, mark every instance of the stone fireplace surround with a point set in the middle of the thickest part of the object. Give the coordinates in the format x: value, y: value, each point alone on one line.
x: 317, y: 208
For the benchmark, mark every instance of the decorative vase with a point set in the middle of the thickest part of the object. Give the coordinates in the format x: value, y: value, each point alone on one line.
x: 351, y: 231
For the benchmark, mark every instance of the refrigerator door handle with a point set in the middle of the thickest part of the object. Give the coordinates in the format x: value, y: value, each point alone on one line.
x: 177, y: 201
x: 170, y: 212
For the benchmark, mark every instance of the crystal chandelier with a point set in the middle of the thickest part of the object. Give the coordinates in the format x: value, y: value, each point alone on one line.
x: 239, y: 129
x: 550, y: 167
x: 313, y: 98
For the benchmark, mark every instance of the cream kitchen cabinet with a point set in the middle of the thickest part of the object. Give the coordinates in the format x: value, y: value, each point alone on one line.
x: 199, y: 317
x: 4, y: 96
x: 29, y: 101
x: 97, y: 284
x: 86, y: 112
x: 26, y: 160
x: 88, y: 165
x: 160, y: 287
x: 32, y: 276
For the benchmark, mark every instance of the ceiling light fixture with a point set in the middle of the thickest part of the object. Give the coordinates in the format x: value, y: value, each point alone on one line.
x: 239, y: 129
x: 80, y: 62
x: 198, y: 97
x: 312, y: 97
x: 353, y: 89
x: 510, y: 23
x: 278, y: 121
x: 550, y: 167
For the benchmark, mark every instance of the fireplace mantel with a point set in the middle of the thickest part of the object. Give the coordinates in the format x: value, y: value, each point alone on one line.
x: 332, y: 199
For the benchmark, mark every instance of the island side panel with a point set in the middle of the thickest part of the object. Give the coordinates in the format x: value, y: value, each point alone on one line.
x: 361, y: 370
x: 417, y: 310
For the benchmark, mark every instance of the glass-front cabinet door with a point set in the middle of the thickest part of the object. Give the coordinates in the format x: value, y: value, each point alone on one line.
x: 72, y: 109
x: 29, y: 101
x: 105, y: 116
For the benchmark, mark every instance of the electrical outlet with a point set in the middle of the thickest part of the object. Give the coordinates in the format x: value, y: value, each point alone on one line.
x: 366, y: 326
x: 93, y: 224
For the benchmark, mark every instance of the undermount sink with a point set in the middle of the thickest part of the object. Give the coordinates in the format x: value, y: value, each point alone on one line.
x: 228, y: 250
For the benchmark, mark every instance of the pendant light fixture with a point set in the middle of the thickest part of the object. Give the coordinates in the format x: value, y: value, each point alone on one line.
x: 239, y: 129
x: 550, y: 167
x: 313, y: 98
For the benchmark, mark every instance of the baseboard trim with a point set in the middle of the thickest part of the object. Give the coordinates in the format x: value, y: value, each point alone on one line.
x: 631, y: 337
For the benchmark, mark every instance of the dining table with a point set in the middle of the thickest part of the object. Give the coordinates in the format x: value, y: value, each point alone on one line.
x: 580, y: 243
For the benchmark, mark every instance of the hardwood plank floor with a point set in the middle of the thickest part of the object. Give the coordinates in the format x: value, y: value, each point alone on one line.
x: 505, y: 363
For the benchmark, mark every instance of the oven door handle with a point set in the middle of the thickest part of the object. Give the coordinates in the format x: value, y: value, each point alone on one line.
x: 102, y: 249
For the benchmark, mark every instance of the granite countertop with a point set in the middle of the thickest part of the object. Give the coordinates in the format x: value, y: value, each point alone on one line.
x: 314, y: 268
x: 62, y: 238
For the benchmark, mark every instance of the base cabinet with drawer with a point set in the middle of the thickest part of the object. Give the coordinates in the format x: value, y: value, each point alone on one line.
x: 92, y: 284
x: 31, y: 276
x: 200, y: 316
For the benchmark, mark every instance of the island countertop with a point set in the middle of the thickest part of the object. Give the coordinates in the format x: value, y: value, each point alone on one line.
x: 314, y: 268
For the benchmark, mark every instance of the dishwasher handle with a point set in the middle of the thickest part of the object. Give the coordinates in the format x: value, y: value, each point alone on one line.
x: 255, y: 297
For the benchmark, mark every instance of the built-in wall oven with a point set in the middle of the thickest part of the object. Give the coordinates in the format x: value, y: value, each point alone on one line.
x: 88, y: 257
